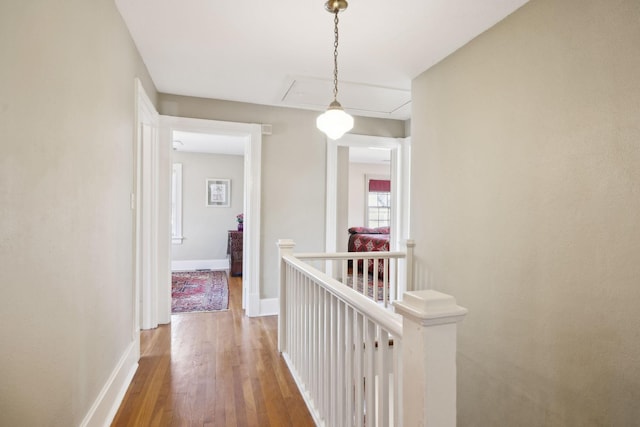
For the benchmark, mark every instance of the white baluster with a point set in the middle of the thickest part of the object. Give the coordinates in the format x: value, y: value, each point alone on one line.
x: 306, y: 304
x: 358, y: 368
x: 284, y: 339
x: 285, y: 247
x: 340, y: 395
x: 370, y: 343
x: 348, y: 372
x: 397, y: 382
x: 313, y: 356
x: 385, y: 281
x: 324, y: 355
x: 374, y: 280
x: 333, y: 362
x: 383, y: 377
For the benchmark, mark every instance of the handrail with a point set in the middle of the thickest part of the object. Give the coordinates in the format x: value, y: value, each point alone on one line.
x: 390, y: 321
x: 350, y: 255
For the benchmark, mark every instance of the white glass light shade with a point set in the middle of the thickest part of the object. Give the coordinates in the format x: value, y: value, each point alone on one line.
x: 334, y: 122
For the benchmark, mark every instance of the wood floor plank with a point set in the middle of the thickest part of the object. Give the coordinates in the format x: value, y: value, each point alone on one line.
x: 213, y: 369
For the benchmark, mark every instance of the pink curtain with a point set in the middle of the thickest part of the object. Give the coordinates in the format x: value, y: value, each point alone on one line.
x: 380, y: 185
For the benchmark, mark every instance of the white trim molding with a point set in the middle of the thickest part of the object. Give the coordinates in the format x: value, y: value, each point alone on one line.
x: 176, y: 204
x: 147, y: 298
x: 200, y: 264
x: 108, y: 402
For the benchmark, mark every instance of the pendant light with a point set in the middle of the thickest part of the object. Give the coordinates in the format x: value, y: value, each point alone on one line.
x: 335, y: 121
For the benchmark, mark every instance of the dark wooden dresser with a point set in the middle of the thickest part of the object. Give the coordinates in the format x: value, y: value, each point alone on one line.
x: 234, y: 250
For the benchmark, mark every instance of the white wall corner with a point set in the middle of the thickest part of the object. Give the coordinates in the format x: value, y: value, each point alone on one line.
x: 253, y: 308
x: 108, y: 402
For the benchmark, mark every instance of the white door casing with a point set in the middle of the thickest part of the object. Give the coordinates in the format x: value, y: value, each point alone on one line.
x: 146, y: 214
x: 400, y: 181
x: 252, y: 193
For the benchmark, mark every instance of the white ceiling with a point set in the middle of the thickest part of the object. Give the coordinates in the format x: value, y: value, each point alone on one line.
x: 282, y: 53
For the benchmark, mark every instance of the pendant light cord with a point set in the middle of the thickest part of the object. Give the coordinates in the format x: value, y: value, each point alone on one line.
x: 335, y: 58
x: 334, y: 122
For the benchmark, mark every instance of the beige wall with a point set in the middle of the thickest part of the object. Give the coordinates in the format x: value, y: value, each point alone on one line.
x: 293, y: 171
x: 205, y: 228
x: 66, y: 114
x: 526, y: 193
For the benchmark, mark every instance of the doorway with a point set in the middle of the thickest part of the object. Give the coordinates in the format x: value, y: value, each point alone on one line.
x: 202, y: 161
x: 399, y: 167
x: 337, y: 174
x: 250, y: 138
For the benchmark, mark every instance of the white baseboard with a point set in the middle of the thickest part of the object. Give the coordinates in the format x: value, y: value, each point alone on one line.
x: 269, y: 306
x: 200, y: 264
x: 262, y: 306
x: 108, y: 402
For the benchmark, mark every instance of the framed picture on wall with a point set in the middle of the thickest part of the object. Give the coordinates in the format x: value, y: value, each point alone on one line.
x: 218, y: 192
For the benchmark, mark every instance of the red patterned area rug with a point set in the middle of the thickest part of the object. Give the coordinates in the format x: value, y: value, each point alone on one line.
x: 197, y: 291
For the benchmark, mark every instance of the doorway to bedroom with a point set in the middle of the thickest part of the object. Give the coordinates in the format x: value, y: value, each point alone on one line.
x: 216, y: 168
x: 207, y: 215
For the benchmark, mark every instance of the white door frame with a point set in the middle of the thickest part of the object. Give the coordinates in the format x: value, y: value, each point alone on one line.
x: 400, y: 180
x: 144, y: 202
x: 252, y: 193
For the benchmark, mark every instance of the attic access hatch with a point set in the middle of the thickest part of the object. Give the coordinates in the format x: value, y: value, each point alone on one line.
x: 359, y: 99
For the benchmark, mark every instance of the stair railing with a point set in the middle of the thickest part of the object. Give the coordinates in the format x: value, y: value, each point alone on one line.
x: 357, y: 363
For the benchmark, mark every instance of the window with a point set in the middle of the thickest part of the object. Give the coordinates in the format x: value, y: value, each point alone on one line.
x: 176, y: 204
x: 378, y: 202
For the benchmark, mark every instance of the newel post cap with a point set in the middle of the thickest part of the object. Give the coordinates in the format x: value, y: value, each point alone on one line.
x: 430, y: 307
x: 286, y: 244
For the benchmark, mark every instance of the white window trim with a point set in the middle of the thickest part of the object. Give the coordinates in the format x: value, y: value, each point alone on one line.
x: 368, y: 178
x: 176, y: 214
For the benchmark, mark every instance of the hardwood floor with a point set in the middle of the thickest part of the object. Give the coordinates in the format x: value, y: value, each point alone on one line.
x: 213, y: 369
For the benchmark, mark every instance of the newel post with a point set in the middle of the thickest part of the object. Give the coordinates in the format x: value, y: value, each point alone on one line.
x: 429, y: 357
x: 285, y: 247
x: 410, y: 244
